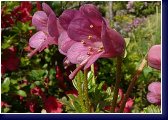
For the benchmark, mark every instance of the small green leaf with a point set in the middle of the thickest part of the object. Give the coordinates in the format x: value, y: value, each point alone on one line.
x: 21, y: 93
x: 100, y: 85
x: 5, y: 85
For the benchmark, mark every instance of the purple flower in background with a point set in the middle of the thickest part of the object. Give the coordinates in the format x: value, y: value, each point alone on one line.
x: 137, y: 21
x: 46, y: 23
x: 88, y: 37
x: 154, y: 95
x: 130, y: 6
x: 154, y: 57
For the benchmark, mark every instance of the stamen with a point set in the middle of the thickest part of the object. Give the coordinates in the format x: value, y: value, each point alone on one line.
x: 88, y: 53
x: 91, y: 26
x: 101, y: 47
x: 83, y: 42
x: 89, y: 37
x: 90, y: 48
x: 100, y: 50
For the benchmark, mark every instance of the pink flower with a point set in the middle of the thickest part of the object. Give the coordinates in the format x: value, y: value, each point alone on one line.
x: 31, y: 105
x: 154, y: 57
x: 38, y: 92
x: 88, y: 37
x: 154, y: 95
x: 46, y: 23
x: 52, y: 105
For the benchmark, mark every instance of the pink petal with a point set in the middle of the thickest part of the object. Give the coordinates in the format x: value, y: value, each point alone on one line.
x: 79, y: 29
x: 113, y: 42
x: 52, y: 25
x: 66, y: 17
x: 47, y: 9
x: 77, y: 53
x: 92, y: 13
x: 39, y: 20
x: 154, y: 57
x: 37, y: 39
x: 153, y: 98
x: 64, y: 42
x: 155, y: 87
x: 92, y: 59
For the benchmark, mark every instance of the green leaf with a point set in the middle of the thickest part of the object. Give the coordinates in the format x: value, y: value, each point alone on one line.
x: 21, y: 93
x: 101, y: 84
x: 5, y: 85
x: 152, y: 109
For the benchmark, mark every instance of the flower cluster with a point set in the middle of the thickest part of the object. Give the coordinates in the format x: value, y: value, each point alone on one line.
x: 82, y: 35
x: 20, y: 13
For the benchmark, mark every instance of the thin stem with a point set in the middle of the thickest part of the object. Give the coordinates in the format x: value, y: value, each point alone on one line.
x: 86, y: 91
x: 80, y: 96
x: 132, y: 84
x: 118, y: 79
x: 92, y: 69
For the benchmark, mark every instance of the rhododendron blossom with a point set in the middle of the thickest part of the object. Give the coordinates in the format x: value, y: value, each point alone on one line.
x: 154, y: 57
x: 46, y: 23
x: 88, y: 37
x: 154, y: 95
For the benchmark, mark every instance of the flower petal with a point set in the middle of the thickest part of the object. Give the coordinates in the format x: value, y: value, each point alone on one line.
x: 52, y: 25
x: 154, y: 57
x: 155, y: 87
x: 39, y: 20
x: 92, y: 59
x: 66, y: 17
x: 37, y: 39
x: 64, y: 42
x: 92, y: 13
x: 47, y: 9
x: 113, y: 42
x: 77, y: 53
x: 153, y: 98
x: 79, y: 29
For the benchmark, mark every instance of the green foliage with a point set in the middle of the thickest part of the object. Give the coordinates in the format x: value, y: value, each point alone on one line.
x: 152, y: 109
